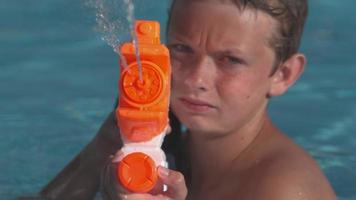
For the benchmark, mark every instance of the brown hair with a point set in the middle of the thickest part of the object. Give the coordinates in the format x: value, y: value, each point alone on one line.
x: 290, y: 15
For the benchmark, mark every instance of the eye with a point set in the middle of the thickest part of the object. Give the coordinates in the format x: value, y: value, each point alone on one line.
x: 230, y: 60
x: 180, y: 48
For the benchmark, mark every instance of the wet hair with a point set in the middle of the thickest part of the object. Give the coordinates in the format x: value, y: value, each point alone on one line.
x: 290, y: 15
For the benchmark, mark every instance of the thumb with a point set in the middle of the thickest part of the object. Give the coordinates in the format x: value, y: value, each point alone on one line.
x: 177, y: 188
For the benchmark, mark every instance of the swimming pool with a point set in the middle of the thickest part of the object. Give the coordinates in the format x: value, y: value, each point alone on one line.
x: 58, y: 82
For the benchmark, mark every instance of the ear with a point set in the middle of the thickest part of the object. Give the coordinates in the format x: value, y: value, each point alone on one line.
x: 287, y: 74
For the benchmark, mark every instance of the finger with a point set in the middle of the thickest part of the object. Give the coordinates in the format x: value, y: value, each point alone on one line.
x: 168, y: 129
x: 118, y: 157
x: 144, y: 197
x: 175, y: 181
x: 158, y: 188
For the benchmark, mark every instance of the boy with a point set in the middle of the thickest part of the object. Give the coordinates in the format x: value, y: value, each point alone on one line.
x: 229, y: 57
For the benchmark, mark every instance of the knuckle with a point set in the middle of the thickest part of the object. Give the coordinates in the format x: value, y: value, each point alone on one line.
x: 178, y: 181
x: 122, y: 197
x: 178, y: 177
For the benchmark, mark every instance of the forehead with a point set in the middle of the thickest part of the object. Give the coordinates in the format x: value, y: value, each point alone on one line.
x: 221, y: 19
x: 209, y: 1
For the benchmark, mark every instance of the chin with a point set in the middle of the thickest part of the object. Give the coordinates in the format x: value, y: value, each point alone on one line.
x: 199, y: 124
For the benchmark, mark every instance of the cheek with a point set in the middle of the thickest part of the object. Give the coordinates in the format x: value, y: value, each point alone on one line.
x: 177, y: 77
x: 232, y: 89
x: 242, y: 93
x: 176, y: 81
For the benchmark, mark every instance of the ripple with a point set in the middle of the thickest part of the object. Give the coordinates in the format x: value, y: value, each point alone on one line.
x: 343, y: 93
x: 87, y: 111
x: 336, y: 129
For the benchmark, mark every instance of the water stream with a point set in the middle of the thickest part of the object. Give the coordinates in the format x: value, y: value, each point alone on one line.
x: 116, y: 29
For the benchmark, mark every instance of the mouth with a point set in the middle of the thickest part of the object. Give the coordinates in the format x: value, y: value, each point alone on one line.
x: 195, y: 105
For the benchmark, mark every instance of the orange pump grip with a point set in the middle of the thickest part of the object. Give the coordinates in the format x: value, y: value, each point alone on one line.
x: 142, y: 113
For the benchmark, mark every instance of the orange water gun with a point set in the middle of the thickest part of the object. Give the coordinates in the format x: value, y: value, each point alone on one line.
x: 142, y: 114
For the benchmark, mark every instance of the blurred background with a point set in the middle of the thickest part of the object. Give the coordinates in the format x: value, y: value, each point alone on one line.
x: 58, y: 82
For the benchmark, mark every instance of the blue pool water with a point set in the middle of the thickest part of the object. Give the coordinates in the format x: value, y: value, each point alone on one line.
x: 58, y: 83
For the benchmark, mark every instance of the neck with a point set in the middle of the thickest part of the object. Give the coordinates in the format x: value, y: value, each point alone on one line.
x: 212, y: 158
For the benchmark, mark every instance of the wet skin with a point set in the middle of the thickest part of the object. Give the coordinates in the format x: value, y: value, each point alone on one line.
x: 222, y: 63
x: 221, y: 85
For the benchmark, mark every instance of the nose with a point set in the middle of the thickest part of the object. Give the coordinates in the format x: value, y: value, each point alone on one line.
x: 201, y: 74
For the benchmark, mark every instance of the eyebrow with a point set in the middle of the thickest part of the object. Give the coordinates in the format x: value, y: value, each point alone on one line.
x: 231, y: 49
x: 177, y: 36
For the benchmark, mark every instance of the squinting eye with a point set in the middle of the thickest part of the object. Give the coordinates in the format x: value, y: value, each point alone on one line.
x: 180, y: 48
x: 230, y: 60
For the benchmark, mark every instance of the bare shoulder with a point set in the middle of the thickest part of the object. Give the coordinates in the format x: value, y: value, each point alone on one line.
x: 288, y: 172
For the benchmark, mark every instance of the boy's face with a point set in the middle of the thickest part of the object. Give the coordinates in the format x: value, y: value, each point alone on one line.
x: 221, y: 65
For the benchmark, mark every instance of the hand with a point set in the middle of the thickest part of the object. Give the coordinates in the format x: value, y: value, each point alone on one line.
x: 111, y: 189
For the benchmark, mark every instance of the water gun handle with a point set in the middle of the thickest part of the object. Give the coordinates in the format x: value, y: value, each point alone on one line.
x: 142, y: 114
